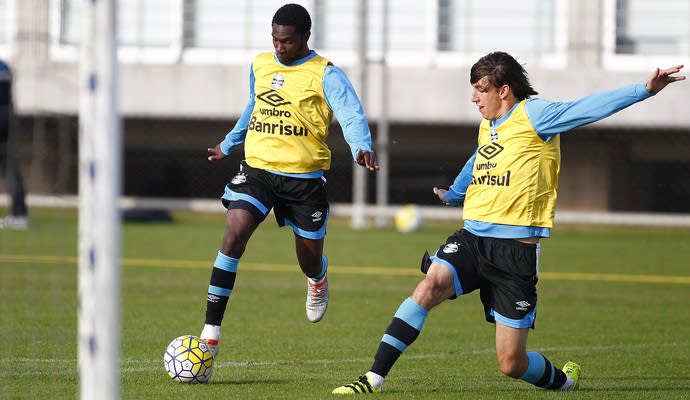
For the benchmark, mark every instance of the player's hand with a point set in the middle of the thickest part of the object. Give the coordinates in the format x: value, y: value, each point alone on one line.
x: 662, y: 77
x: 215, y: 153
x: 441, y: 194
x: 367, y: 159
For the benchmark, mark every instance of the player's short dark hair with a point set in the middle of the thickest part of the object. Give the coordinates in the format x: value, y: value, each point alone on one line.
x: 502, y: 69
x: 293, y: 15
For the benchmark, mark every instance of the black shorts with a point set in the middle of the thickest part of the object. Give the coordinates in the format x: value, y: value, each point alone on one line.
x: 296, y: 202
x: 504, y: 270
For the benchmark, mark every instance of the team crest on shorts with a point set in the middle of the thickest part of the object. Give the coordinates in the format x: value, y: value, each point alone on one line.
x: 451, y: 248
x: 239, y: 179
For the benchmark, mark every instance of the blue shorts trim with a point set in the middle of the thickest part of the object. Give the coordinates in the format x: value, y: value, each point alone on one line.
x: 320, y: 234
x: 229, y: 195
x: 526, y: 322
x: 456, y: 279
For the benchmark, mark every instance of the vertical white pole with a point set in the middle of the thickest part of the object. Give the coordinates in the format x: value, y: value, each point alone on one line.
x: 99, y: 216
x: 359, y: 176
x: 383, y: 140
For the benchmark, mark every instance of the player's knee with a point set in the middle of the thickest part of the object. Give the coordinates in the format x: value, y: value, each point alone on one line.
x: 232, y: 246
x: 511, y: 366
x: 433, y: 290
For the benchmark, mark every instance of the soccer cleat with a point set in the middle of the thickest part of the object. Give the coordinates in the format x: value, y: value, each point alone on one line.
x: 212, y: 346
x: 317, y: 299
x: 573, y: 372
x: 19, y: 222
x: 361, y: 385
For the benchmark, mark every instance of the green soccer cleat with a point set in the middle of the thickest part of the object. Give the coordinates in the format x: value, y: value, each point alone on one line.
x: 361, y: 385
x: 573, y: 372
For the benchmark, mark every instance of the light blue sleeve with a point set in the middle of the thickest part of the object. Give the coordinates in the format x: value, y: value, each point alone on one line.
x: 343, y: 100
x: 456, y: 192
x: 552, y: 118
x: 237, y: 135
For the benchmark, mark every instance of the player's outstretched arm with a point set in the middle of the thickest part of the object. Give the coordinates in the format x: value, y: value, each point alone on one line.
x: 662, y: 77
x: 215, y: 153
x: 367, y: 159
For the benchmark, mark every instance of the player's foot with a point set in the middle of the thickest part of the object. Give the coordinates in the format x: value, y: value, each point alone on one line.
x: 211, y: 335
x: 572, y: 371
x: 317, y: 299
x: 362, y: 385
x: 212, y: 346
x: 14, y: 222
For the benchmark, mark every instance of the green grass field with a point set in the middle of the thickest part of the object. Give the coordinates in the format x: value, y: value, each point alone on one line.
x: 615, y: 300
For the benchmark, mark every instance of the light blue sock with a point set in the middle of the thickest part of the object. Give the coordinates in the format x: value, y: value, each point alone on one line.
x: 324, y: 268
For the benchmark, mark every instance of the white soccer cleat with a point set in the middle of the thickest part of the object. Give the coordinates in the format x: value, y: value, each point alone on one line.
x: 211, y: 335
x: 317, y: 299
x: 19, y: 222
x: 212, y: 345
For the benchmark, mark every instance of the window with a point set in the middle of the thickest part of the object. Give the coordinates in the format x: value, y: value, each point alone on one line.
x: 527, y: 29
x: 223, y: 24
x: 145, y: 23
x: 4, y: 23
x: 652, y: 28
x: 641, y: 34
x: 419, y: 32
x: 146, y: 29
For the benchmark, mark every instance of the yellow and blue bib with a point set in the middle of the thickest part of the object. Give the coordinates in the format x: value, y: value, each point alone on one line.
x: 288, y: 127
x: 515, y: 174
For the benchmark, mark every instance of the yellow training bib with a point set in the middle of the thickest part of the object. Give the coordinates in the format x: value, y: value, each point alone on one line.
x: 515, y: 174
x: 288, y: 128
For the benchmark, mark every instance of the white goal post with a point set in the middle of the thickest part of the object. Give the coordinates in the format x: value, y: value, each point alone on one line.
x: 100, y: 154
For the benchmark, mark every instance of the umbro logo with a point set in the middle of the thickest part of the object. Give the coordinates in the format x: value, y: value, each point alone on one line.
x: 273, y: 98
x: 317, y: 216
x: 522, y: 305
x: 490, y: 151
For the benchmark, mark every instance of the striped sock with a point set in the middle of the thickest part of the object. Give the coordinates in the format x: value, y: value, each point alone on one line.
x: 219, y: 290
x: 540, y: 372
x: 324, y: 269
x: 402, y: 332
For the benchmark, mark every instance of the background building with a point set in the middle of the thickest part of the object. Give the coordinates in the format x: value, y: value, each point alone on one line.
x: 184, y: 67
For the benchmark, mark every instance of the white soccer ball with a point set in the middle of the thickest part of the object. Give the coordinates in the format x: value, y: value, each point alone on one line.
x: 188, y: 360
x: 408, y: 218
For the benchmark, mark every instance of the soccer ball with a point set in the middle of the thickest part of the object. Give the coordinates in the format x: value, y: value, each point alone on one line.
x: 188, y: 360
x: 408, y: 218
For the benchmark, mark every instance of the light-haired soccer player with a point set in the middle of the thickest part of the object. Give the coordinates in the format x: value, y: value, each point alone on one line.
x: 509, y: 191
x: 294, y: 93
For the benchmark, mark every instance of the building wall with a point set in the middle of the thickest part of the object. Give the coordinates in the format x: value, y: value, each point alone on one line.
x: 638, y: 159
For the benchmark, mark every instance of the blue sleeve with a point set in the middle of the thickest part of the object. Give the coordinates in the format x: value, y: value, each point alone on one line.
x: 552, y: 118
x: 236, y: 136
x: 456, y: 192
x: 343, y: 100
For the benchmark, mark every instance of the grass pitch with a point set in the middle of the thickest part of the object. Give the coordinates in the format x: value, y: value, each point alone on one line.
x: 615, y: 300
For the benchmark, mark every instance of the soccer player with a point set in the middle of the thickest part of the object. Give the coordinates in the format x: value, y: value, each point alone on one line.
x: 9, y: 166
x: 509, y: 191
x: 294, y: 93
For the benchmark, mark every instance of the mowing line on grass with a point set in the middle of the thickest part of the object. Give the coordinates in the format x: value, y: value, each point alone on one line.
x: 360, y: 270
x: 148, y: 364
